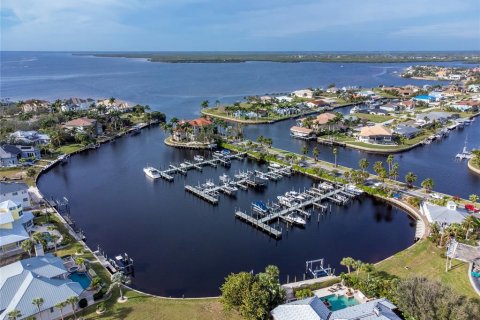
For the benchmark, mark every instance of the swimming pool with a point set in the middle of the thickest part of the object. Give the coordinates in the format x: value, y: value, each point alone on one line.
x: 339, y: 302
x: 80, y: 277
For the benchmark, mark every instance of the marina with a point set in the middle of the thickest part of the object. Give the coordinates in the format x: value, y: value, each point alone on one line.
x: 291, y: 205
x: 161, y: 215
x: 209, y: 191
x: 223, y: 158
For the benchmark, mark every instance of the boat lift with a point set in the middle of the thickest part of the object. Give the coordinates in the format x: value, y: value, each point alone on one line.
x: 316, y: 269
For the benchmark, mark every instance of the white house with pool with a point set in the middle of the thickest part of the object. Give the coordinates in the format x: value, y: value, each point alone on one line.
x: 43, y: 277
x: 315, y: 309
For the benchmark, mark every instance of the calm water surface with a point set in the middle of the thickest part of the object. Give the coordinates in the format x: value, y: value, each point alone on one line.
x: 182, y: 245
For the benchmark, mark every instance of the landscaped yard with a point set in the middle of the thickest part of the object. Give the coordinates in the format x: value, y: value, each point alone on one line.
x: 424, y: 260
x: 70, y: 148
x: 142, y: 307
x: 373, y: 117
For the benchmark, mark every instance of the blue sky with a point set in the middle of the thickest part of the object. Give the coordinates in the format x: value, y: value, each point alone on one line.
x: 256, y: 25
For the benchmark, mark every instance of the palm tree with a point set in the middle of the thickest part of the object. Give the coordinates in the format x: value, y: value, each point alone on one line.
x: 368, y: 268
x: 120, y: 279
x: 468, y: 223
x: 335, y: 152
x: 378, y: 167
x: 347, y: 262
x: 73, y: 301
x: 428, y: 184
x: 27, y: 246
x: 205, y: 103
x: 111, y: 100
x: 357, y: 265
x: 14, y: 314
x: 315, y: 153
x: 304, y: 150
x: 38, y: 302
x: 410, y: 178
x: 363, y: 164
x: 390, y: 162
x: 60, y: 306
x: 473, y: 198
x: 54, y: 238
x: 394, y: 171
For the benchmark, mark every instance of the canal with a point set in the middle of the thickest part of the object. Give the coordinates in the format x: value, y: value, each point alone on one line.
x: 184, y: 246
x: 436, y: 161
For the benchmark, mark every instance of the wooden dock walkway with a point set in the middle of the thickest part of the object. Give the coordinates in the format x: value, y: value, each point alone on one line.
x: 187, y: 165
x: 313, y: 198
x: 257, y: 223
x: 202, y: 194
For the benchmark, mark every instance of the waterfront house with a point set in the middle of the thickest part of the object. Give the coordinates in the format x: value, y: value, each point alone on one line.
x: 390, y: 107
x: 366, y: 93
x: 466, y: 106
x: 304, y: 93
x: 15, y: 225
x: 435, y: 116
x: 7, y: 159
x: 324, y: 121
x: 39, y: 277
x: 16, y: 192
x: 77, y: 104
x: 378, y: 112
x: 84, y: 125
x: 23, y: 153
x: 314, y: 309
x: 377, y: 134
x: 301, y: 132
x: 438, y: 95
x: 34, y: 105
x: 406, y: 131
x: 29, y: 137
x: 443, y: 216
x: 409, y: 105
x: 114, y: 105
x: 284, y: 99
x: 189, y: 130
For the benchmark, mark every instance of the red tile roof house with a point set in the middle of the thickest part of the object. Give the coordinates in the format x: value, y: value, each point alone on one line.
x: 376, y: 135
x: 180, y: 133
x: 83, y: 125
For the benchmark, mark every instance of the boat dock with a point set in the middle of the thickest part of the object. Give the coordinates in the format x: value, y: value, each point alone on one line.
x: 310, y: 198
x: 243, y: 180
x: 262, y: 226
x: 203, y: 194
x: 184, y: 167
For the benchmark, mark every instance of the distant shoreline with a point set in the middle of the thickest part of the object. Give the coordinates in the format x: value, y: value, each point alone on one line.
x: 289, y: 57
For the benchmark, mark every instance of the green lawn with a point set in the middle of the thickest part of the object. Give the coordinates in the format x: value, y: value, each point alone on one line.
x: 142, y: 307
x: 70, y: 148
x: 424, y: 260
x: 373, y: 117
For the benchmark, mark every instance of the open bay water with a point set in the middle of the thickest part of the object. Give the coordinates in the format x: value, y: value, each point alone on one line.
x: 181, y: 244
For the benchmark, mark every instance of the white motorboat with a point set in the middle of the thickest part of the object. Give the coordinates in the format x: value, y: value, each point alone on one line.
x: 224, y: 178
x: 275, y: 165
x: 295, y: 219
x: 209, y: 184
x: 198, y: 158
x: 151, y: 172
x: 284, y: 201
x: 353, y: 189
